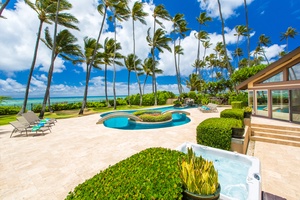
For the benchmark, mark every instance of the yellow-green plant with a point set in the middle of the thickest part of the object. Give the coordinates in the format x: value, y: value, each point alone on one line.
x: 198, y: 174
x: 248, y: 109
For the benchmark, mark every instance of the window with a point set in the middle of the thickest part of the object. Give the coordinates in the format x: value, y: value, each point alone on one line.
x: 262, y: 102
x: 294, y: 72
x: 280, y: 104
x: 277, y: 78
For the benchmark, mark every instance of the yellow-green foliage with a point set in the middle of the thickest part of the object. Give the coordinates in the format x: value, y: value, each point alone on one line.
x: 198, y: 175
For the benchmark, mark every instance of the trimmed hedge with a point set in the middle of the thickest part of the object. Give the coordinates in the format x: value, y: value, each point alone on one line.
x: 236, y: 105
x: 141, y: 112
x: 148, y: 99
x: 9, y: 110
x: 150, y: 174
x: 233, y: 113
x: 216, y: 132
x: 159, y: 118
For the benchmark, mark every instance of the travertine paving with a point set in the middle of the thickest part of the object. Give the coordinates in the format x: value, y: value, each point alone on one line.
x: 48, y: 167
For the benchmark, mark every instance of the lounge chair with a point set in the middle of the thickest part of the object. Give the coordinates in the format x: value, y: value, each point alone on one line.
x: 33, y: 119
x: 19, y: 127
x: 209, y: 108
x: 24, y: 121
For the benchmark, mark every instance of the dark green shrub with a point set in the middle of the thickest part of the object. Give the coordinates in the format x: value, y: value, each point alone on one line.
x: 216, y: 132
x: 236, y: 104
x: 158, y: 118
x: 241, y: 96
x: 192, y: 95
x: 177, y: 103
x: 9, y: 110
x: 150, y: 174
x: 233, y: 113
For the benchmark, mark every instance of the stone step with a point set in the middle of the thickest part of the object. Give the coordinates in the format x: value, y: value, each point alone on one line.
x: 292, y: 127
x: 276, y: 141
x: 275, y: 131
x: 278, y: 136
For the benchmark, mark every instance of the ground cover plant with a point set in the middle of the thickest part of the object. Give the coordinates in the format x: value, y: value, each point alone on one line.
x: 150, y: 174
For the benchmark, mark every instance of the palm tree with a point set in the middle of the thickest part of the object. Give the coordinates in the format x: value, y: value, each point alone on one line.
x: 131, y: 63
x: 264, y: 41
x: 120, y: 12
x: 148, y: 69
x: 248, y: 30
x: 46, y: 11
x: 159, y: 13
x: 158, y: 42
x: 2, y: 7
x: 202, y: 19
x: 110, y: 50
x: 65, y: 47
x: 229, y: 68
x: 238, y: 53
x: 87, y: 57
x: 289, y: 33
x: 193, y: 82
x: 241, y: 30
x: 137, y: 13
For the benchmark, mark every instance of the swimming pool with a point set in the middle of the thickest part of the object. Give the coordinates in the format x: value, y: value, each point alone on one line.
x: 120, y: 122
x: 239, y: 175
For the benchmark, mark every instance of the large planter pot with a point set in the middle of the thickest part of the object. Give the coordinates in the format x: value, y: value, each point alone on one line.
x: 247, y: 114
x: 192, y: 196
x: 238, y: 132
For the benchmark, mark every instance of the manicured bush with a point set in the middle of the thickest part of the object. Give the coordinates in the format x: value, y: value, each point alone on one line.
x: 233, y: 113
x: 216, y: 132
x: 150, y: 174
x: 9, y: 110
x: 241, y: 96
x: 158, y: 118
x: 236, y: 104
x: 148, y: 99
x: 141, y: 112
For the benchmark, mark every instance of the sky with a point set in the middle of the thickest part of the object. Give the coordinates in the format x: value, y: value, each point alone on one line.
x: 18, y: 35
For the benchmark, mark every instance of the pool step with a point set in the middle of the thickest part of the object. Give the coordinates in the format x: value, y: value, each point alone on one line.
x: 286, y: 135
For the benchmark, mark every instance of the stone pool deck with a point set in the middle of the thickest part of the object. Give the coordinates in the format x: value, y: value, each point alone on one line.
x: 49, y: 166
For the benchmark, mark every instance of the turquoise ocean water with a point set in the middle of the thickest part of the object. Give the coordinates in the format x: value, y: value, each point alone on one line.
x: 53, y: 100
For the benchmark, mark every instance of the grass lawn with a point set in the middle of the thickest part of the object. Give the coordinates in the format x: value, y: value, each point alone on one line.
x: 5, y: 119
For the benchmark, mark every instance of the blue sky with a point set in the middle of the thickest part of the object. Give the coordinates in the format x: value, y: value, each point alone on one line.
x: 18, y: 35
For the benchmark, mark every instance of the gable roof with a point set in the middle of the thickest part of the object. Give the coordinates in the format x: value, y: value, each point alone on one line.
x: 286, y: 58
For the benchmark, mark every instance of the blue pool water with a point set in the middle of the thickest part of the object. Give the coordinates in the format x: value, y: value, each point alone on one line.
x: 126, y: 124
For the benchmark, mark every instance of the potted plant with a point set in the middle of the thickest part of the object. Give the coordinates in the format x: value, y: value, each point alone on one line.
x: 199, y: 178
x: 238, y: 129
x: 247, y: 112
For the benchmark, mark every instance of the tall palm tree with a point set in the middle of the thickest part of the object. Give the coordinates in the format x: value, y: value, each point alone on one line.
x: 110, y: 49
x: 46, y: 11
x: 120, y: 12
x: 87, y: 56
x: 264, y: 41
x: 193, y: 82
x: 2, y: 7
x: 228, y: 66
x: 131, y: 63
x: 248, y: 32
x: 238, y: 52
x: 202, y: 20
x: 158, y: 42
x: 148, y: 69
x: 289, y: 33
x: 66, y: 48
x: 137, y: 13
x: 240, y: 30
x: 159, y: 13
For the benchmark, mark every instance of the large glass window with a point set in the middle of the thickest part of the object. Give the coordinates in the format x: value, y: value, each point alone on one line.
x: 280, y: 104
x: 250, y: 99
x: 262, y: 102
x: 294, y: 72
x: 276, y: 78
x: 295, y: 105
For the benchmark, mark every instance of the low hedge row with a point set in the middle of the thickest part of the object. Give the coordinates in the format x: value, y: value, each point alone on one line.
x: 216, y: 132
x: 141, y: 112
x: 9, y: 110
x: 158, y: 118
x: 233, y: 113
x: 149, y: 174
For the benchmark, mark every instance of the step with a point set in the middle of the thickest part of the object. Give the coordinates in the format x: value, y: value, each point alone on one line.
x: 275, y: 141
x: 276, y: 135
x: 292, y: 127
x: 275, y: 131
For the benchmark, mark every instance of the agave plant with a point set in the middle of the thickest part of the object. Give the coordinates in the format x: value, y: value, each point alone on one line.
x: 198, y: 174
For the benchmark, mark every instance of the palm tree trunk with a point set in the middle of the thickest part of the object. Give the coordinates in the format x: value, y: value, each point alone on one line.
x: 137, y: 76
x: 87, y: 78
x: 153, y: 68
x: 53, y: 57
x: 31, y: 68
x: 49, y: 104
x: 89, y: 67
x: 3, y: 7
x: 265, y: 56
x: 114, y: 64
x: 128, y: 87
x: 224, y: 41
x: 176, y: 68
x: 105, y: 84
x: 145, y: 84
x: 248, y: 35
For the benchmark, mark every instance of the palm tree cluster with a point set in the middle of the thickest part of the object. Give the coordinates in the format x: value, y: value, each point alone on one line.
x: 100, y: 56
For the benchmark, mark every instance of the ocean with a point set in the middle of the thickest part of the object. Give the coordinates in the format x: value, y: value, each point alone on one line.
x: 53, y: 100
